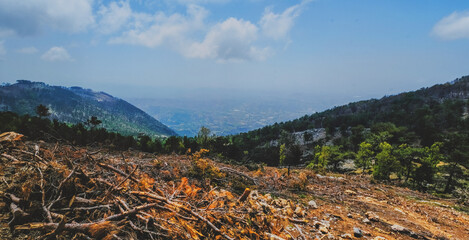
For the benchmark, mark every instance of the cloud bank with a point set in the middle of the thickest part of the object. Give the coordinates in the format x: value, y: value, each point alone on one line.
x: 188, y: 33
x: 232, y: 39
x: 454, y: 26
x: 31, y: 17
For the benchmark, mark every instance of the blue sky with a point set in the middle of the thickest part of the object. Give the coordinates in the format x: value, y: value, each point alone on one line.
x: 353, y: 49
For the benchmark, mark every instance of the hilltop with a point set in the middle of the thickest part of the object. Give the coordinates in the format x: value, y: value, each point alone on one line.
x: 76, y: 105
x: 428, y: 111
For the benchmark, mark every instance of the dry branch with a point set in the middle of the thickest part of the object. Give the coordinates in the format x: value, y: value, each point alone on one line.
x: 108, y: 167
x: 107, y: 206
x: 231, y: 170
x: 10, y: 157
x: 18, y: 215
x: 64, y: 186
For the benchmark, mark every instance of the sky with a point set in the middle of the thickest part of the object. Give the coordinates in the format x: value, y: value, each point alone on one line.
x: 305, y: 49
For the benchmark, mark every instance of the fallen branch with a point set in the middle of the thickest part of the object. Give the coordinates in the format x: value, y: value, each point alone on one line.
x: 84, y: 200
x: 133, y: 211
x: 73, y: 227
x: 66, y: 179
x: 115, y: 188
x: 58, y: 230
x: 43, y: 198
x: 13, y: 198
x: 19, y: 216
x: 231, y: 170
x: 294, y: 220
x: 107, y: 206
x: 10, y: 157
x: 31, y: 154
x: 217, y: 230
x: 210, y: 224
x: 117, y: 171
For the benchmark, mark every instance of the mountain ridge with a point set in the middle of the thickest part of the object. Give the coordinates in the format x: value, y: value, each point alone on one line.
x: 398, y: 105
x: 76, y: 105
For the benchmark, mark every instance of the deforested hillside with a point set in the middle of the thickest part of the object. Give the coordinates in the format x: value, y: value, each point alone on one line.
x: 62, y: 191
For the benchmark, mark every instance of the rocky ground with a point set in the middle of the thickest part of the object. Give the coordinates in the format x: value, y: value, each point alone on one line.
x: 62, y: 191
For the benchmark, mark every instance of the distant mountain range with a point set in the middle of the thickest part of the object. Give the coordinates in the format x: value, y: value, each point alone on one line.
x: 77, y: 105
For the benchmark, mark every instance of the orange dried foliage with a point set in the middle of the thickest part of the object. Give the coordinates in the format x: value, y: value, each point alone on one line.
x: 146, y: 182
x: 103, y: 230
x: 48, y: 154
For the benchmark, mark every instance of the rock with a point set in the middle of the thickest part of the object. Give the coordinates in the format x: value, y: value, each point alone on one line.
x: 323, y: 229
x: 346, y: 236
x: 379, y: 238
x: 398, y: 228
x: 349, y: 215
x: 312, y: 204
x: 366, y: 220
x: 357, y: 232
x: 403, y: 230
x: 372, y: 216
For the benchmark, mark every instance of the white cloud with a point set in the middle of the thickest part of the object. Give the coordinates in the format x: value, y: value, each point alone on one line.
x: 30, y: 17
x: 56, y: 54
x: 454, y: 26
x: 114, y: 16
x: 156, y: 30
x: 28, y: 50
x: 277, y: 25
x: 231, y: 39
x: 228, y: 40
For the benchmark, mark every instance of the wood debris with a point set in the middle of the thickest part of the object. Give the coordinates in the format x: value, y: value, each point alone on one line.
x: 69, y: 193
x: 58, y: 191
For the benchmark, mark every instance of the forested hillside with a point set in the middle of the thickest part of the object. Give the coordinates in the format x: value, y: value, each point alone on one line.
x: 419, y: 139
x: 428, y: 112
x: 77, y: 105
